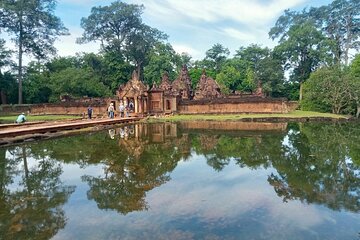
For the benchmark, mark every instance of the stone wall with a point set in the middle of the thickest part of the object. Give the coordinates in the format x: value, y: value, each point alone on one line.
x: 214, y: 106
x: 67, y: 109
x: 99, y: 107
x: 240, y: 105
x: 9, y: 109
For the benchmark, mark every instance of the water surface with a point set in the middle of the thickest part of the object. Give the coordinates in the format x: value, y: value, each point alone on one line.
x: 202, y: 180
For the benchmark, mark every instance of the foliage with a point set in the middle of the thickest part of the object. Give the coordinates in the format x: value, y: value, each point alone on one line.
x: 34, y: 29
x: 77, y: 83
x: 120, y: 30
x: 7, y: 82
x: 229, y: 79
x: 330, y: 87
x: 340, y: 23
x: 302, y: 50
x: 216, y: 57
x: 162, y: 58
x: 195, y: 75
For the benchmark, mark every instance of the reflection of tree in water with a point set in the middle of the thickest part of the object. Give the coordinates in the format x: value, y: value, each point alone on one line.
x: 252, y: 151
x: 319, y: 167
x: 33, y: 210
x: 318, y: 163
x: 138, y: 167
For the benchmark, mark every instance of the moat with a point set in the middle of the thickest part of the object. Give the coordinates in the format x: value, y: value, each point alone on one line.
x: 207, y: 180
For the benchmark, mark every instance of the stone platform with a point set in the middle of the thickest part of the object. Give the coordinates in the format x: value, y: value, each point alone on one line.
x: 53, y: 127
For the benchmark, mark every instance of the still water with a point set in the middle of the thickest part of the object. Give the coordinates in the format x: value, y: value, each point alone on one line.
x: 203, y: 180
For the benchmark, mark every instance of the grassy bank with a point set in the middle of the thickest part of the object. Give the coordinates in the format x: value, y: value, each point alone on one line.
x: 228, y: 117
x: 30, y: 118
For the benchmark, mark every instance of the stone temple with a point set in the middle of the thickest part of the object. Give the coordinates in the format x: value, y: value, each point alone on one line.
x: 172, y: 97
x: 166, y: 97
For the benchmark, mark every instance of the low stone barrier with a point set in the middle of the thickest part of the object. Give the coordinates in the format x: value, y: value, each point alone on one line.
x: 233, y: 106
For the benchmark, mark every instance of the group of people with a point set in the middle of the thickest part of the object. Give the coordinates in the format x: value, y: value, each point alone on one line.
x: 123, y: 109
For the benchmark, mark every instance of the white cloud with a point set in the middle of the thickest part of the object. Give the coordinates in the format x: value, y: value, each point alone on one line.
x: 238, y: 34
x: 67, y: 46
x: 179, y: 48
x: 241, y: 11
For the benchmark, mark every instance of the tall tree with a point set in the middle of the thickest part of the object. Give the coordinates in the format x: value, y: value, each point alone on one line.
x: 34, y: 29
x: 217, y: 55
x: 140, y: 43
x: 163, y: 58
x: 5, y: 61
x: 302, y: 48
x: 119, y: 28
x: 252, y: 55
x: 111, y: 25
x: 341, y: 24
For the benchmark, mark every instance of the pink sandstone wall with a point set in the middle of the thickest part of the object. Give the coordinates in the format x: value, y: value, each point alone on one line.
x: 215, y: 106
x: 66, y: 110
x: 250, y: 106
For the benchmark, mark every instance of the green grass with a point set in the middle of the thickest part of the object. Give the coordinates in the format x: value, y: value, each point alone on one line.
x: 229, y: 117
x: 30, y: 118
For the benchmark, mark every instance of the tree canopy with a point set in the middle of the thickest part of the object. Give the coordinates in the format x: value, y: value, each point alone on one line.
x: 310, y: 40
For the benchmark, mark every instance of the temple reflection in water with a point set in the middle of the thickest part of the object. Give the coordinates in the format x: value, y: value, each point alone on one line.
x: 179, y: 173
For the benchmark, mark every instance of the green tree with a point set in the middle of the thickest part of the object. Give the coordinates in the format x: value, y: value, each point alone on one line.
x: 329, y: 87
x: 229, y: 79
x: 216, y: 56
x: 303, y: 49
x: 119, y: 29
x: 162, y: 58
x: 34, y: 29
x: 271, y: 75
x: 5, y: 81
x: 252, y: 55
x: 140, y: 43
x: 111, y: 25
x: 36, y: 84
x: 77, y: 83
x: 355, y: 93
x: 340, y: 23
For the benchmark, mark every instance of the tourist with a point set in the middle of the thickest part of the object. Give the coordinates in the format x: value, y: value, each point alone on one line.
x: 89, y: 112
x: 122, y: 109
x: 111, y: 110
x: 21, y: 118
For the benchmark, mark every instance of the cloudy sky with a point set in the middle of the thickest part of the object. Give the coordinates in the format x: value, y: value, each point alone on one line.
x: 193, y: 26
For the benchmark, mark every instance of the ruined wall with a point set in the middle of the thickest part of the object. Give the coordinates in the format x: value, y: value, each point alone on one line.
x: 240, y: 105
x: 73, y: 109
x: 9, y: 109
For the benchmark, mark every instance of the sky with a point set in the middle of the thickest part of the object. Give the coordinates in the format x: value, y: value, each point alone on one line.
x: 193, y: 26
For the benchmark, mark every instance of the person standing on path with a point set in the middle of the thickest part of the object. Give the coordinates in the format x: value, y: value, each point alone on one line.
x: 122, y: 109
x: 89, y: 112
x: 111, y: 110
